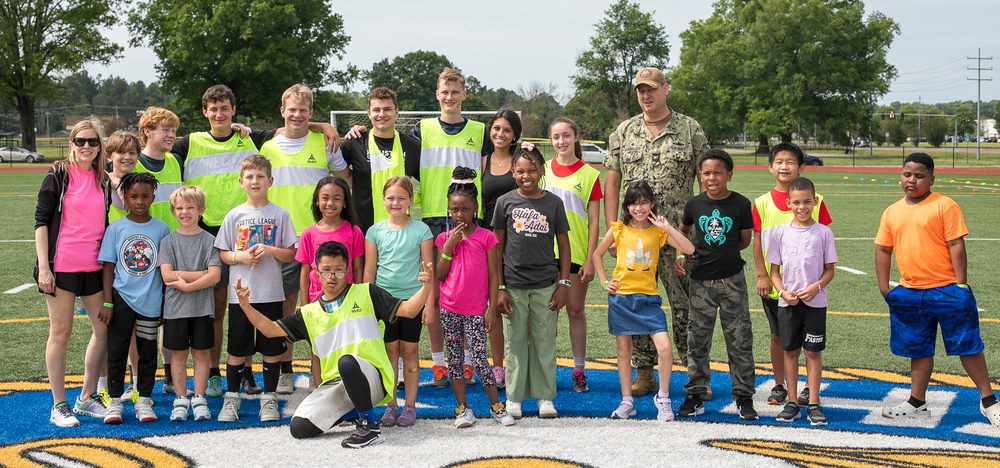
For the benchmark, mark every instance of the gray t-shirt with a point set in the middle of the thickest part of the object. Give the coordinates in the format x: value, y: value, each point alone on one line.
x: 244, y: 227
x: 185, y: 252
x: 531, y: 225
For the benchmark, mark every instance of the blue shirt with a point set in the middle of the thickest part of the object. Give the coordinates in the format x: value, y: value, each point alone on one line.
x: 133, y: 248
x: 398, y: 256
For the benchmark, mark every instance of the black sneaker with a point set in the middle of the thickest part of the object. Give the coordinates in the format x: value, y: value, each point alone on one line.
x: 778, y: 395
x: 249, y: 385
x: 816, y: 416
x: 804, y: 397
x: 364, y: 434
x: 745, y: 404
x: 789, y: 413
x: 692, y: 406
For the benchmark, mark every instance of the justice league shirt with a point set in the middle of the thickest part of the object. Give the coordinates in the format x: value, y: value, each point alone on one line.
x: 717, y: 225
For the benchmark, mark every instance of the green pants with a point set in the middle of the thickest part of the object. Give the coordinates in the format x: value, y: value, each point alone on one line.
x: 530, y: 344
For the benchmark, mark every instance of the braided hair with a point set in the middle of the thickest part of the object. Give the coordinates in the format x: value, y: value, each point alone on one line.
x: 463, y: 183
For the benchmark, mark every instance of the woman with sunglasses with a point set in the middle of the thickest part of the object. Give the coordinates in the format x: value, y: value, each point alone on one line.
x: 70, y: 218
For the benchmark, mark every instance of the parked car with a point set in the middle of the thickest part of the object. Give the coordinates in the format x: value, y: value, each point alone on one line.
x: 862, y: 142
x: 813, y: 160
x: 16, y: 154
x: 593, y: 153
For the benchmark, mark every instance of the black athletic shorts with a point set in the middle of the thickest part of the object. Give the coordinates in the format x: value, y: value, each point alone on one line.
x: 245, y: 340
x: 801, y: 326
x: 181, y: 334
x: 404, y: 329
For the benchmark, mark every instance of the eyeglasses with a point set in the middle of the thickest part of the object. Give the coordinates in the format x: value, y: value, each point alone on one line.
x: 93, y: 142
x: 340, y: 274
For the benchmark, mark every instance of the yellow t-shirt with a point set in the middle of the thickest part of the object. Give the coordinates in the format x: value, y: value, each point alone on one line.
x: 638, y: 254
x: 919, y: 236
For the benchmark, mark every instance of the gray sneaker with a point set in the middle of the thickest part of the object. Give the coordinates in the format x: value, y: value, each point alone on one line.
x: 230, y: 408
x: 286, y: 384
x: 144, y: 410
x: 625, y: 410
x: 62, y: 416
x: 816, y: 416
x: 269, y: 408
x: 789, y: 413
x: 390, y: 416
x: 114, y: 414
x: 91, y: 406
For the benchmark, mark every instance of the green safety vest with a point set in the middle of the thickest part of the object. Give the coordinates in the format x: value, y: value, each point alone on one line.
x: 771, y: 217
x: 114, y: 214
x: 295, y: 177
x: 353, y: 328
x: 169, y: 179
x: 575, y: 192
x: 440, y: 154
x: 215, y: 167
x: 383, y: 169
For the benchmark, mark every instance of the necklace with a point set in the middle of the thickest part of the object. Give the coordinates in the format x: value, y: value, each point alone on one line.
x: 499, y: 163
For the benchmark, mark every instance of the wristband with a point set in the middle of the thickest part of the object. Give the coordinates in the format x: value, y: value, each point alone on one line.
x: 234, y: 257
x: 501, y: 288
x: 963, y: 285
x: 565, y: 283
x: 109, y: 305
x: 681, y: 257
x: 604, y: 284
x: 446, y: 256
x: 781, y: 293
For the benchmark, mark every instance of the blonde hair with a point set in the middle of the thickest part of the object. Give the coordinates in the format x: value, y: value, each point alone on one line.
x: 255, y: 162
x: 299, y: 93
x: 155, y: 117
x: 452, y: 75
x: 89, y: 123
x: 122, y: 142
x: 401, y: 181
x: 190, y: 193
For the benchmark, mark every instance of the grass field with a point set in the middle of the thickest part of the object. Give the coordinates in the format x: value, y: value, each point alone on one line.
x: 857, y: 323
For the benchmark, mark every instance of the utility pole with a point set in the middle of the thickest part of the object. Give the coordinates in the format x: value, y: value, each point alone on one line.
x: 979, y: 92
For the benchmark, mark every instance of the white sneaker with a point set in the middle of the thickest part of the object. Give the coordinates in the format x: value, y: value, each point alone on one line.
x: 992, y: 413
x: 625, y: 410
x: 546, y: 409
x: 905, y: 410
x: 230, y: 407
x: 181, y: 409
x: 286, y: 384
x: 199, y: 406
x: 663, y: 410
x: 501, y: 415
x: 464, y: 417
x: 62, y: 416
x: 269, y: 408
x: 514, y: 409
x: 114, y: 414
x: 144, y: 410
x: 91, y: 406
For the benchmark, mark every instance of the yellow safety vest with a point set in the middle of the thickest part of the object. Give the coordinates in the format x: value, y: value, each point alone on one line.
x: 295, y: 177
x: 215, y: 167
x: 440, y: 154
x: 575, y: 192
x: 168, y: 179
x: 383, y: 169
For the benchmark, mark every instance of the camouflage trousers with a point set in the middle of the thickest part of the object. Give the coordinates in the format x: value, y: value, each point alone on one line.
x: 643, y: 350
x: 727, y: 299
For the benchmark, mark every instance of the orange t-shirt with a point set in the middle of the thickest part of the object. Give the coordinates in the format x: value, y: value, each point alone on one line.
x: 919, y: 235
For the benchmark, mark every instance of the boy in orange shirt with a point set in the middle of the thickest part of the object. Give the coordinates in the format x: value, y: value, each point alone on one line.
x: 929, y: 231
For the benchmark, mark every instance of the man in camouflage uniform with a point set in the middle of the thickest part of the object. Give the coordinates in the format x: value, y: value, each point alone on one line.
x: 661, y: 147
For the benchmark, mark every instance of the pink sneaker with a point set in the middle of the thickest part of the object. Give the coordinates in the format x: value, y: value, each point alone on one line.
x: 498, y: 375
x: 407, y: 417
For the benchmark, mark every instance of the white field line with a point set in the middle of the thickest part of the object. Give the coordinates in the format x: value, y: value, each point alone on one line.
x: 13, y: 241
x: 19, y: 288
x: 851, y: 270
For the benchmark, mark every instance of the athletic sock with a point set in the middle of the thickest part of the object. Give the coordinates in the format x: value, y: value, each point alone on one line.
x: 272, y: 370
x: 468, y: 358
x: 214, y: 372
x: 102, y: 382
x: 438, y: 359
x: 916, y: 403
x: 234, y: 376
x: 662, y: 395
x: 167, y: 376
x: 579, y: 362
x: 989, y: 401
x: 286, y: 367
x: 369, y: 415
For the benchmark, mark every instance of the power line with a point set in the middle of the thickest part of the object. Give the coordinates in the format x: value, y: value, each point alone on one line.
x: 979, y: 92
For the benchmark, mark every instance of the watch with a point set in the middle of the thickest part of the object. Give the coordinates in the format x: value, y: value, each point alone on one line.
x: 565, y: 282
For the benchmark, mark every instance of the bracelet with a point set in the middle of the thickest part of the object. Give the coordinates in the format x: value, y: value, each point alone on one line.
x: 234, y: 257
x: 501, y: 288
x: 565, y: 283
x: 446, y: 256
x: 604, y: 284
x: 781, y: 293
x: 681, y: 257
x: 109, y: 305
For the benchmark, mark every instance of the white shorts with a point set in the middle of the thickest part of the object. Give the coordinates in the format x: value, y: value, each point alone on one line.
x: 329, y: 403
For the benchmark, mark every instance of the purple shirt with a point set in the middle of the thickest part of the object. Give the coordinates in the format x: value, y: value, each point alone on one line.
x: 802, y: 252
x: 466, y: 288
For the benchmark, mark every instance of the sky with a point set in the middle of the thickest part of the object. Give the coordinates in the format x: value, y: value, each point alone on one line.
x: 515, y: 43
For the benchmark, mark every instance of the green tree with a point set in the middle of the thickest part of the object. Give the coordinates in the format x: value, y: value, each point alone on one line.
x: 966, y: 119
x: 592, y: 114
x: 256, y: 47
x: 935, y: 129
x: 897, y: 134
x: 413, y: 77
x: 624, y: 42
x: 43, y: 39
x: 765, y: 67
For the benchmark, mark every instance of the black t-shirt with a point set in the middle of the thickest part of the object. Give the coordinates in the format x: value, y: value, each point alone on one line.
x: 356, y: 154
x: 384, y: 304
x: 493, y: 188
x: 717, y: 225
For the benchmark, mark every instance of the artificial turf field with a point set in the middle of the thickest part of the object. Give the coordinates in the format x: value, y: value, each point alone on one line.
x: 860, y: 371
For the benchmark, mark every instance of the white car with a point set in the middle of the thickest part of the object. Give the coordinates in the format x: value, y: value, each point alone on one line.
x: 17, y: 154
x: 593, y: 153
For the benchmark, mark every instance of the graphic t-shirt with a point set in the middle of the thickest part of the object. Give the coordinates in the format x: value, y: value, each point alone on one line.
x: 466, y: 288
x: 638, y: 255
x: 312, y: 238
x: 802, y: 252
x: 531, y: 226
x: 134, y: 248
x: 246, y: 226
x: 717, y: 225
x: 184, y: 252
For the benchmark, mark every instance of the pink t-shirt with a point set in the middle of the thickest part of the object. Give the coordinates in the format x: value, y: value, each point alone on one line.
x: 347, y: 234
x: 466, y: 288
x: 82, y: 225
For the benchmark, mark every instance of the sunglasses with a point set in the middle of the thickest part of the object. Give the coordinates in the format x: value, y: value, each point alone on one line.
x: 93, y: 142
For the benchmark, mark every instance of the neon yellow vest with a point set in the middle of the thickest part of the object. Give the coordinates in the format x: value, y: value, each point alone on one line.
x: 169, y: 179
x: 771, y: 217
x: 215, y: 167
x: 384, y: 169
x: 351, y: 329
x: 575, y: 192
x: 295, y: 177
x: 114, y: 213
x: 440, y: 154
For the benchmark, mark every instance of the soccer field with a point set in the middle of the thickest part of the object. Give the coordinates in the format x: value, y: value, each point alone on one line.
x: 857, y: 322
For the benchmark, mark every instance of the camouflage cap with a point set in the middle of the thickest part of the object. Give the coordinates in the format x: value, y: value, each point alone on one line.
x: 650, y: 76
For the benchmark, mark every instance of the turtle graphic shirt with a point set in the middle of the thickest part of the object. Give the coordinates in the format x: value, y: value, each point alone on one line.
x: 716, y: 226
